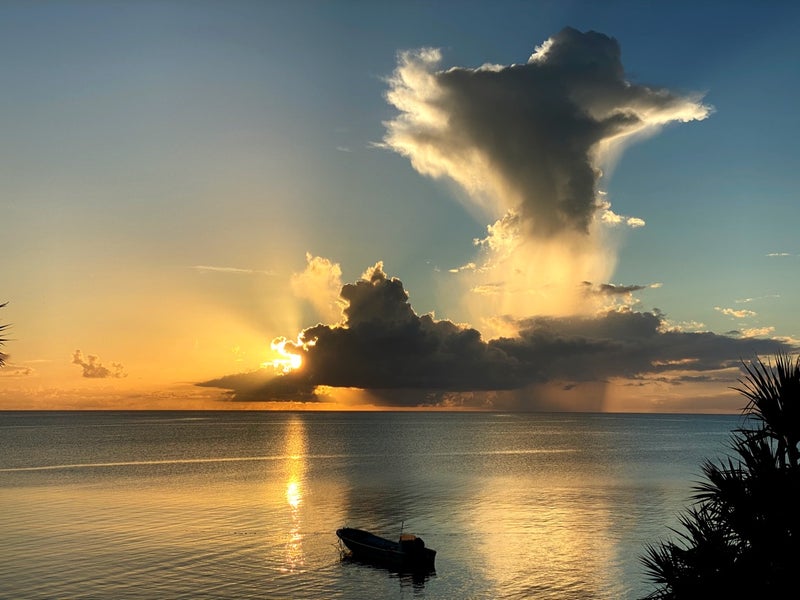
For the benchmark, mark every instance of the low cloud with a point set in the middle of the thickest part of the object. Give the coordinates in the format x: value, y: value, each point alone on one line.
x: 409, y: 359
x: 93, y: 368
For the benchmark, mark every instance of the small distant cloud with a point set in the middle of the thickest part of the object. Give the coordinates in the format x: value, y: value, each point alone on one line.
x: 776, y: 254
x: 737, y: 314
x: 344, y: 149
x: 635, y: 222
x: 16, y: 371
x: 617, y: 295
x: 93, y: 368
x: 757, y: 332
x: 748, y: 300
x: 470, y: 266
x: 685, y: 327
x: 609, y: 217
x: 489, y: 288
x: 609, y: 289
x: 234, y: 270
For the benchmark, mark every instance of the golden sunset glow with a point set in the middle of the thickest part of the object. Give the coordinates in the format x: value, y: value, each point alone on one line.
x: 293, y: 493
x: 295, y: 473
x: 286, y: 361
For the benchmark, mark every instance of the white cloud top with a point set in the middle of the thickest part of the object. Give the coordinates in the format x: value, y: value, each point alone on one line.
x: 528, y: 138
x: 527, y: 143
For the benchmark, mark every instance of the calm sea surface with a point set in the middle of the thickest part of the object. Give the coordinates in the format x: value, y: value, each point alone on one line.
x: 245, y: 504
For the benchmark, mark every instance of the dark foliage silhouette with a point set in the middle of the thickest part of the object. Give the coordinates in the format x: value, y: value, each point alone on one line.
x: 3, y: 340
x: 741, y: 538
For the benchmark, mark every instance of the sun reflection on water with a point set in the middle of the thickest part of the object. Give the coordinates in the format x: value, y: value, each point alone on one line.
x: 295, y: 469
x: 293, y: 494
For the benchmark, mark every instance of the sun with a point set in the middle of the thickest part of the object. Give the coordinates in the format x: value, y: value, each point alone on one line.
x: 287, y: 361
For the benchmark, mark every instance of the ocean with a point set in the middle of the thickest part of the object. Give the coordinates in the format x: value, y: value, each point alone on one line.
x: 163, y: 505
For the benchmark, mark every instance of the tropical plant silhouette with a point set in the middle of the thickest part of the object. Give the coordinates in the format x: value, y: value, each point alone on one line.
x: 3, y: 340
x: 741, y: 537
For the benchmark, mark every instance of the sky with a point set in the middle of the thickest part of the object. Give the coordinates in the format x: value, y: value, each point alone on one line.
x: 353, y: 205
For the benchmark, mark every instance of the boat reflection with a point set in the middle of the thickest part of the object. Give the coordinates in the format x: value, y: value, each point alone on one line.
x: 406, y: 579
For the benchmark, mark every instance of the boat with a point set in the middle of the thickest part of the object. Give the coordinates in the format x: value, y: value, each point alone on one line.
x: 407, y: 554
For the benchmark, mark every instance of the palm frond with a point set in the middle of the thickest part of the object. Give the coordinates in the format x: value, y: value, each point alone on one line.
x: 3, y: 340
x: 741, y: 538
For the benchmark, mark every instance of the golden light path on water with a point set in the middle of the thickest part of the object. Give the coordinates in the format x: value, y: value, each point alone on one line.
x: 571, y: 545
x: 295, y: 475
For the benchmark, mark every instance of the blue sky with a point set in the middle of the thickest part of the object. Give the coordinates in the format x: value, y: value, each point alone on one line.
x: 168, y: 167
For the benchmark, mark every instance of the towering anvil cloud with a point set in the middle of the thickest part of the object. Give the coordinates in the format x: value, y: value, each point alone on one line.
x: 527, y: 143
x: 528, y: 139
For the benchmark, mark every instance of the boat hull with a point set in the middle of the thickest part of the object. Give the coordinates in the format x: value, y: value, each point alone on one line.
x: 408, y: 554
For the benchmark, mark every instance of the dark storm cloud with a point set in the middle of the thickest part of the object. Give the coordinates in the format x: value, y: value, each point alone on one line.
x: 528, y: 138
x: 266, y: 386
x: 93, y: 369
x: 384, y: 345
x: 623, y: 343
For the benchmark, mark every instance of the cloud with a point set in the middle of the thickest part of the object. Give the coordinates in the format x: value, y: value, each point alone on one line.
x: 758, y: 332
x: 610, y: 289
x: 736, y: 313
x: 405, y: 358
x: 528, y: 138
x: 528, y: 144
x: 616, y: 296
x: 320, y: 283
x: 92, y: 368
x: 14, y: 371
x: 748, y: 300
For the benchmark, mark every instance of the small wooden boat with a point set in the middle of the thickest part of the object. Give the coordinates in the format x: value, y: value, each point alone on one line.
x: 409, y: 553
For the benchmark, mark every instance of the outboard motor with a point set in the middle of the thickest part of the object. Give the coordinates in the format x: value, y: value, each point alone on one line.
x: 411, y: 544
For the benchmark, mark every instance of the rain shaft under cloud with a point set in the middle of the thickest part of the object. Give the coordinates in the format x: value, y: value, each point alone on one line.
x: 528, y: 143
x: 384, y: 346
